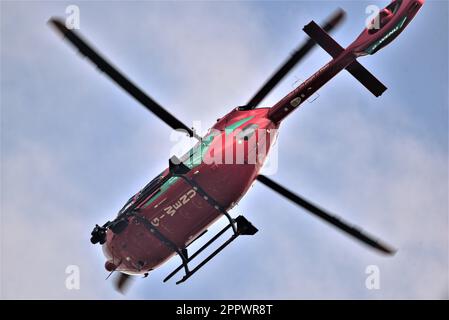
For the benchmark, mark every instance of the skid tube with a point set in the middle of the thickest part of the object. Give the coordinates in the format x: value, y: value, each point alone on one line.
x: 239, y: 225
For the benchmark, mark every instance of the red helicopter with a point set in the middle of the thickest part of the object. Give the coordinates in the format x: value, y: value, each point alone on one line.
x: 176, y: 208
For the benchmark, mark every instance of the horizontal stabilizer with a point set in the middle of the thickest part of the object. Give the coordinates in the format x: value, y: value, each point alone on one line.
x: 359, y: 72
x: 323, y: 38
x: 366, y: 78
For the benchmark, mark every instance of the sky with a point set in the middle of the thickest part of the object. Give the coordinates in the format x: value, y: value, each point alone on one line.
x: 75, y: 147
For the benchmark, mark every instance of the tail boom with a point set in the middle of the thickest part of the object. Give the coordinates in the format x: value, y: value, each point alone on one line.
x: 295, y: 98
x: 342, y: 59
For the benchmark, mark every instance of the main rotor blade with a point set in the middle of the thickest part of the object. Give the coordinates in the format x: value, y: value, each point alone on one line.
x: 334, y: 220
x: 119, y: 78
x: 288, y: 65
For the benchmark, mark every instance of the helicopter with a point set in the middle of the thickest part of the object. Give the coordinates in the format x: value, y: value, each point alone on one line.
x: 178, y: 206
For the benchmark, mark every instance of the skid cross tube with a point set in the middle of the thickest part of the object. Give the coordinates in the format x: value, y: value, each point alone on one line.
x: 207, y: 244
x: 244, y: 227
x: 213, y: 254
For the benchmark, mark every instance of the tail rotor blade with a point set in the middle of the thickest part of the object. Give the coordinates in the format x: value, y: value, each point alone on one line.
x: 334, y: 220
x: 122, y: 282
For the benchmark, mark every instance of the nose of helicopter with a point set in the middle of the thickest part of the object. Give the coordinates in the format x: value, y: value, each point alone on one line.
x: 112, y: 263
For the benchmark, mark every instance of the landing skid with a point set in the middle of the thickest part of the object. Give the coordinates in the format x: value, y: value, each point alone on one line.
x: 244, y: 227
x: 239, y: 225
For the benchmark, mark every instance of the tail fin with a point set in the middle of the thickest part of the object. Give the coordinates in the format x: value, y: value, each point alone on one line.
x: 321, y: 37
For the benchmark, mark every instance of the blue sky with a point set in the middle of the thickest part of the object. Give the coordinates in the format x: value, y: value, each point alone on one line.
x: 75, y: 147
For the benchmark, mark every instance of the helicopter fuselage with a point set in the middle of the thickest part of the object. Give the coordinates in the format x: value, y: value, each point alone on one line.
x: 173, y: 210
x: 225, y: 163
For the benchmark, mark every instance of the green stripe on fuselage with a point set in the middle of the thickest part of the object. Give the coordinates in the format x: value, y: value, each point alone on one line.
x: 229, y: 129
x: 167, y: 184
x: 196, y: 157
x: 372, y: 48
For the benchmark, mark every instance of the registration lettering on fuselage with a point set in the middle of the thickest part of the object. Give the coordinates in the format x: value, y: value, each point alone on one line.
x: 173, y: 208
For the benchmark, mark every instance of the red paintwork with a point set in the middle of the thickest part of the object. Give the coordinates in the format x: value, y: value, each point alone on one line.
x: 136, y: 251
x: 407, y: 9
x: 226, y: 183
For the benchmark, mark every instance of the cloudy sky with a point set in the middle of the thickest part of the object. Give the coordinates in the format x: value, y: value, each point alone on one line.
x: 74, y: 147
